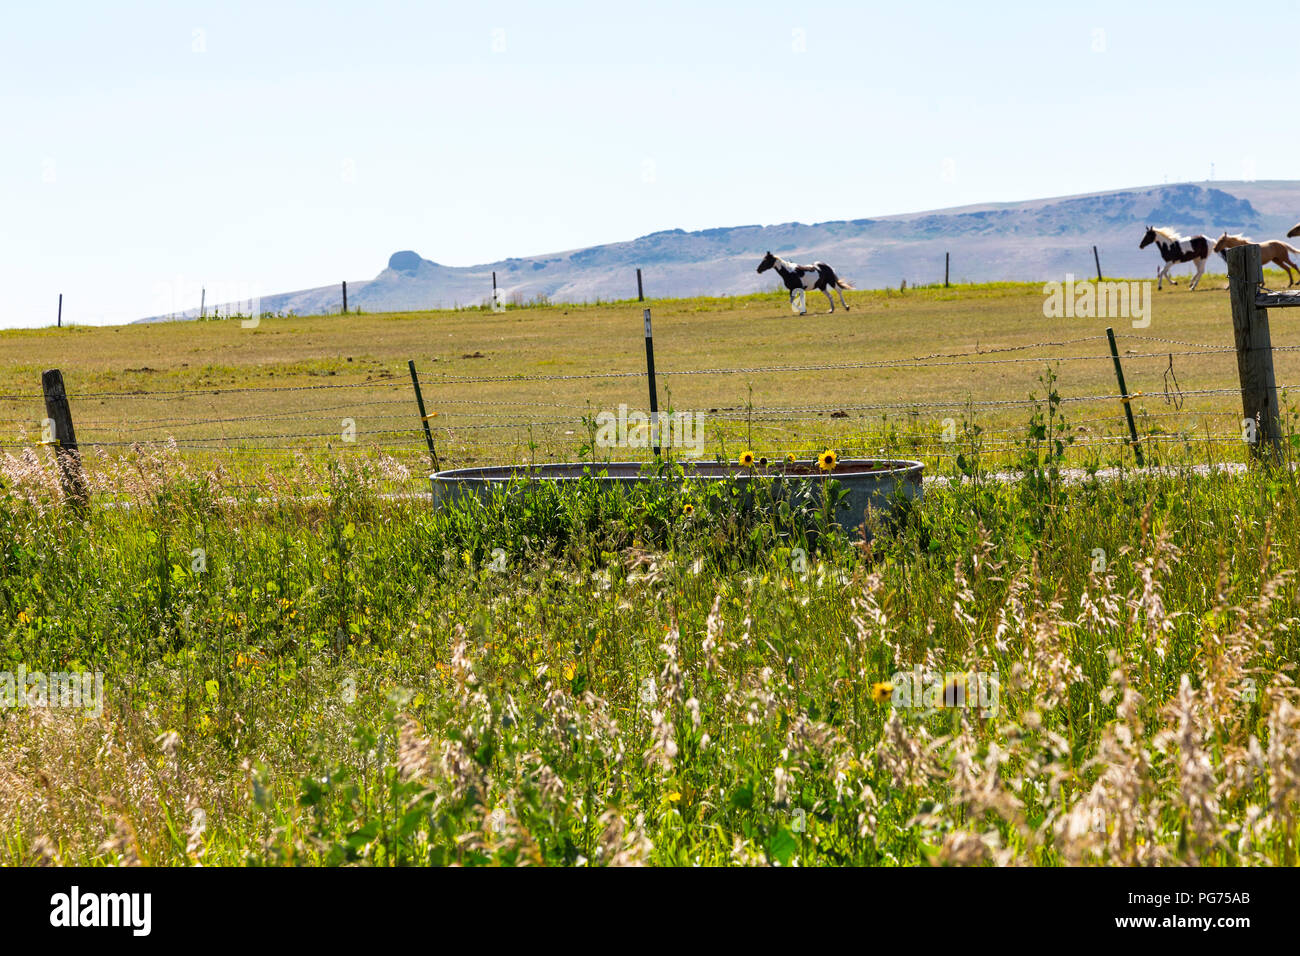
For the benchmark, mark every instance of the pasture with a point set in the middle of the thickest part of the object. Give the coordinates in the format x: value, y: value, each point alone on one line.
x: 669, y: 676
x: 517, y: 386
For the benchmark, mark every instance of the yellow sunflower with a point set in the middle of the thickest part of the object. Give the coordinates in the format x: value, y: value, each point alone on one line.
x: 881, y: 692
x: 827, y: 460
x: 746, y: 459
x: 789, y: 458
x: 688, y: 510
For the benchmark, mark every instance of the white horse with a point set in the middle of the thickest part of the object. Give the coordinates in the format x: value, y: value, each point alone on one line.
x: 798, y: 279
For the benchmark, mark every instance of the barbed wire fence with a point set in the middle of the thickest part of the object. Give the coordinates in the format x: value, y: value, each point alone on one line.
x: 144, y: 431
x: 259, y: 424
x: 527, y: 418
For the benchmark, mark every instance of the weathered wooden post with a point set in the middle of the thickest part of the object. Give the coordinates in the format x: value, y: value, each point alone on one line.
x: 945, y: 270
x: 63, y: 438
x: 1261, y: 425
x: 345, y: 297
x: 1097, y: 259
x: 640, y: 293
x: 60, y: 310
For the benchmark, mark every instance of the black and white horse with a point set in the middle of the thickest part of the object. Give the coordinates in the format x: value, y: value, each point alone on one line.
x: 798, y: 279
x: 1175, y: 249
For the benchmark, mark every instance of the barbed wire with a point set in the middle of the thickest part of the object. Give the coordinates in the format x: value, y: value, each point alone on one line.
x: 898, y: 444
x: 238, y: 389
x: 1157, y: 338
x: 336, y: 436
x: 729, y: 414
x: 930, y: 360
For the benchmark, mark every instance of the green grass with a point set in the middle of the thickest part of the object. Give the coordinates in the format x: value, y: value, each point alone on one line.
x: 351, y: 678
x: 303, y: 668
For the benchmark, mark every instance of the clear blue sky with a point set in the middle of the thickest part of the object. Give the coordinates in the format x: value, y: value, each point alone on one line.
x: 153, y: 146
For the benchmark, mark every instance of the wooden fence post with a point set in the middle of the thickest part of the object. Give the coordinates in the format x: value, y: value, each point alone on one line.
x: 1097, y: 259
x: 640, y: 293
x: 945, y: 270
x: 1126, y: 398
x: 63, y: 438
x: 1254, y: 351
x: 345, y: 297
x: 60, y: 310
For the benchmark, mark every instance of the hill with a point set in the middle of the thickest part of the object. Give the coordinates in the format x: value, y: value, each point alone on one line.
x: 1024, y: 241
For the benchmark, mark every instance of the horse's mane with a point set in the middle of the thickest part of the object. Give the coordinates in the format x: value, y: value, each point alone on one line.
x: 1235, y: 235
x: 1164, y: 232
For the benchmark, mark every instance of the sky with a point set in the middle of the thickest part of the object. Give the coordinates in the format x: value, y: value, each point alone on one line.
x: 151, y: 149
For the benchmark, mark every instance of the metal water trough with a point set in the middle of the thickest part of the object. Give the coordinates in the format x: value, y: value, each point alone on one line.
x: 870, y: 482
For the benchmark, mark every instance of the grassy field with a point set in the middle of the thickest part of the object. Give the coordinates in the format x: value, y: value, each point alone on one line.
x: 664, y: 678
x: 1024, y: 671
x: 517, y: 386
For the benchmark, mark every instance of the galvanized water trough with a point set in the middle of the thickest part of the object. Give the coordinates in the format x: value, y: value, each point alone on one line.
x: 875, y: 483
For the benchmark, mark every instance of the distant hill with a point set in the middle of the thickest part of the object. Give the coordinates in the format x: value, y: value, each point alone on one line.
x: 1034, y: 240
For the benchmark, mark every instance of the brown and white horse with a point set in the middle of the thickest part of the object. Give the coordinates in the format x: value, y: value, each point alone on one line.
x: 800, y: 278
x: 1175, y: 249
x: 1273, y: 252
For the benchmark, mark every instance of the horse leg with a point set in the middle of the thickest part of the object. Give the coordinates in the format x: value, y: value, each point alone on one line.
x: 1200, y: 269
x: 840, y: 293
x: 1287, y: 265
x: 826, y: 292
x: 1283, y: 260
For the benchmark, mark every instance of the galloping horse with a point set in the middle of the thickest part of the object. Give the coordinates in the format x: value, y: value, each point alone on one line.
x: 1175, y: 249
x: 800, y: 278
x: 1272, y: 252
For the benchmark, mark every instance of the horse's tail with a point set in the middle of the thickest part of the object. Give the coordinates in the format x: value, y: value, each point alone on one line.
x: 844, y: 285
x: 1288, y: 247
